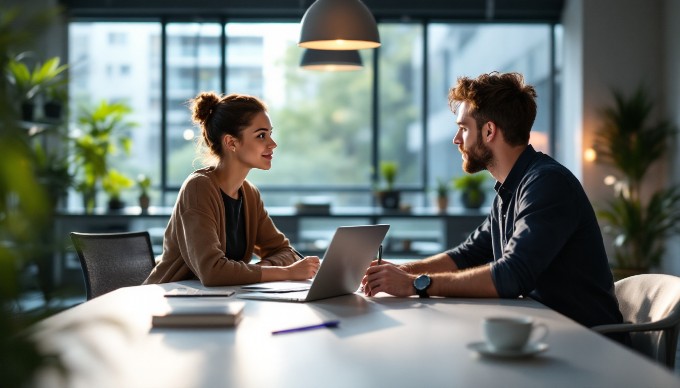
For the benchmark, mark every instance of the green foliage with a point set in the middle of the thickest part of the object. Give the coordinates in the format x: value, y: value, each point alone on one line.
x: 389, y: 170
x: 473, y: 182
x: 443, y: 186
x: 630, y: 144
x: 627, y: 141
x: 27, y: 83
x: 24, y: 209
x: 115, y: 182
x: 104, y: 130
x: 144, y: 183
x: 639, y: 229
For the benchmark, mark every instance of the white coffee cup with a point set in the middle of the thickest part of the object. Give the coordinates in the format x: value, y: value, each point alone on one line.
x: 512, y: 332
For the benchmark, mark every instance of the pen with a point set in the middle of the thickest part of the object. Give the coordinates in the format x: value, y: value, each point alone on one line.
x: 310, y: 327
x: 380, y: 255
x: 300, y: 255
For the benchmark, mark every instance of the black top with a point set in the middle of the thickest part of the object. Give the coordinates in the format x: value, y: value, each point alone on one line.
x: 543, y: 240
x: 236, y: 227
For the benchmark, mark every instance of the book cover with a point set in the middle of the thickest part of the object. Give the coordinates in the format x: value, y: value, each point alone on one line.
x: 200, y: 315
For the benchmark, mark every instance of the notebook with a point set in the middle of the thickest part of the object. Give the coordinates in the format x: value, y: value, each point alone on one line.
x: 197, y: 314
x: 344, y: 263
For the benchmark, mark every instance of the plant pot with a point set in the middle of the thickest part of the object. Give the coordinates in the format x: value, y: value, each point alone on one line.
x: 116, y: 204
x: 389, y: 199
x: 144, y: 202
x: 27, y: 111
x: 442, y: 204
x: 472, y: 199
x: 52, y: 110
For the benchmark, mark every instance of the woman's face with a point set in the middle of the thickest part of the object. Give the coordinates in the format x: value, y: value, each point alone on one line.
x: 255, y: 148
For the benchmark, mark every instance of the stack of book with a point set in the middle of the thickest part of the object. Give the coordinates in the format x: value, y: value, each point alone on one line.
x: 199, y: 314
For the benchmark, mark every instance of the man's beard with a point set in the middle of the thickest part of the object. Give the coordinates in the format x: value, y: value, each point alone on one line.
x: 478, y: 158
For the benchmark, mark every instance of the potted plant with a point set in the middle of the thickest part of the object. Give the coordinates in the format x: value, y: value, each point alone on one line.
x: 114, y: 183
x: 28, y: 84
x: 639, y: 223
x: 389, y: 197
x: 103, y: 129
x: 442, y: 194
x: 144, y: 183
x: 472, y: 189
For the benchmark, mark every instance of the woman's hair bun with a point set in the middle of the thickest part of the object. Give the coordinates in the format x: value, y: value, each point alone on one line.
x: 203, y: 106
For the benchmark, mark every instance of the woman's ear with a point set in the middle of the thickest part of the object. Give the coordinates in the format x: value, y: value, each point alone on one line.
x: 229, y: 143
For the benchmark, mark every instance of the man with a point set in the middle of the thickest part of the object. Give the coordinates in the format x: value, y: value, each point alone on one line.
x: 541, y: 238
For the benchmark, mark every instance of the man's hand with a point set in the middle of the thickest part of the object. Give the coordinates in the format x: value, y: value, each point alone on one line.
x: 387, y: 278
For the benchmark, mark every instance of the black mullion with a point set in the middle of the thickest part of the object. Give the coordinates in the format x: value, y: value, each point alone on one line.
x: 164, y: 113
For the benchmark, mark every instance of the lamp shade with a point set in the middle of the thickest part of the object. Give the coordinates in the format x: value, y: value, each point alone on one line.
x: 331, y: 60
x: 338, y: 25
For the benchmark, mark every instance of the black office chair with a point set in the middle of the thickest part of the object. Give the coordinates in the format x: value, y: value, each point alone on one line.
x: 113, y: 260
x: 650, y: 305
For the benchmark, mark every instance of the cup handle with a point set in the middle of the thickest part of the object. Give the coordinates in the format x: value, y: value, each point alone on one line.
x: 539, y: 327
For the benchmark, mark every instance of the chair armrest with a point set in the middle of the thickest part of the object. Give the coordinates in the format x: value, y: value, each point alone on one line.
x: 631, y: 327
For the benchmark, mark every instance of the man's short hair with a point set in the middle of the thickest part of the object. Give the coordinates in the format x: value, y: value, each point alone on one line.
x: 503, y: 98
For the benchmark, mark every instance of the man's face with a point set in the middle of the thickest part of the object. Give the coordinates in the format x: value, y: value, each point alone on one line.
x: 469, y: 139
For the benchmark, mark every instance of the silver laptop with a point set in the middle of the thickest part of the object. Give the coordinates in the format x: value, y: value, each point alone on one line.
x: 348, y: 255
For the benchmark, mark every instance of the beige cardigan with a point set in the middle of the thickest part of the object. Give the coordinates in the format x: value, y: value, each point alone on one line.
x: 194, y: 245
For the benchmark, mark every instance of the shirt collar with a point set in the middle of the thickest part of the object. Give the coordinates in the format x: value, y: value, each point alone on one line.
x: 517, y: 171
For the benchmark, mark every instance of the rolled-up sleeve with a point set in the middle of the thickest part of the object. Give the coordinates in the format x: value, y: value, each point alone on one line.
x: 476, y: 249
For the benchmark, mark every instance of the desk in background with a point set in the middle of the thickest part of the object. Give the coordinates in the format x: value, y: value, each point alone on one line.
x: 381, y: 342
x: 414, y: 234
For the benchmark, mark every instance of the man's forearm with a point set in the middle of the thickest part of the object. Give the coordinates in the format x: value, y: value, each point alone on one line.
x: 470, y: 283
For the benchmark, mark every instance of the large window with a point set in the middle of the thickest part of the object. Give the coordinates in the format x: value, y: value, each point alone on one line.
x: 332, y: 128
x: 456, y: 50
x: 120, y: 62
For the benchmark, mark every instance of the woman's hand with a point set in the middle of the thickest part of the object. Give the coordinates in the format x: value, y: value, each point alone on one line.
x: 303, y: 269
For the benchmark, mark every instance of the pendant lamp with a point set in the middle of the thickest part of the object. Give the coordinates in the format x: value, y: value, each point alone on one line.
x: 331, y: 60
x: 338, y: 25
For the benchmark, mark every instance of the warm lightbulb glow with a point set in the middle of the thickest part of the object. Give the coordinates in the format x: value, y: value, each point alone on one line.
x: 589, y: 155
x: 339, y: 44
x: 609, y: 180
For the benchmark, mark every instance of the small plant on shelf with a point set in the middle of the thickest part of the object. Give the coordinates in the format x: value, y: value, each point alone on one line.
x: 144, y: 183
x: 472, y: 189
x: 443, y: 186
x: 389, y: 197
x: 114, y: 183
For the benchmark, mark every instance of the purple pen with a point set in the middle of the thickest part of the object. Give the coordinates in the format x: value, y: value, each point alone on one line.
x: 309, y: 327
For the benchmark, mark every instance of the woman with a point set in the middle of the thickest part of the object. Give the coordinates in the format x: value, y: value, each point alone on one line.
x: 219, y: 220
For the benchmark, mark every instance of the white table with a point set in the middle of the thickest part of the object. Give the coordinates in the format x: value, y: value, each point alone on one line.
x: 381, y: 342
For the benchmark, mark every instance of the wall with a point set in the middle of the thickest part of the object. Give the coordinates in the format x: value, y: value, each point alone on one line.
x: 619, y: 44
x: 671, y: 82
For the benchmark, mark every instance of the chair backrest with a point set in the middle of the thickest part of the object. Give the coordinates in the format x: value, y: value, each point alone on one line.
x: 652, y: 299
x: 113, y: 260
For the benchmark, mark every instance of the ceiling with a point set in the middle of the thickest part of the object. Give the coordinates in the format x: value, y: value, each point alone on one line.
x: 463, y: 10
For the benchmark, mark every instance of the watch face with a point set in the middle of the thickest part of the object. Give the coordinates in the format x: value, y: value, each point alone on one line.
x: 422, y: 282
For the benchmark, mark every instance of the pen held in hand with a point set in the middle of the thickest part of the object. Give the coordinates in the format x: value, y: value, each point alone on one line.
x: 329, y: 324
x: 380, y: 255
x: 297, y: 253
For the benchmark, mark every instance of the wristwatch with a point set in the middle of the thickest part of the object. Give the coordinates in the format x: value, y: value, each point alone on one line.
x: 421, y: 284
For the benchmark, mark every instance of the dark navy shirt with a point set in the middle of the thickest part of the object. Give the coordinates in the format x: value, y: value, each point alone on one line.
x: 543, y: 241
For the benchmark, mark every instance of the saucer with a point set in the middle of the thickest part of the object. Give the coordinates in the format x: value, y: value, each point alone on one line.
x: 529, y: 350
